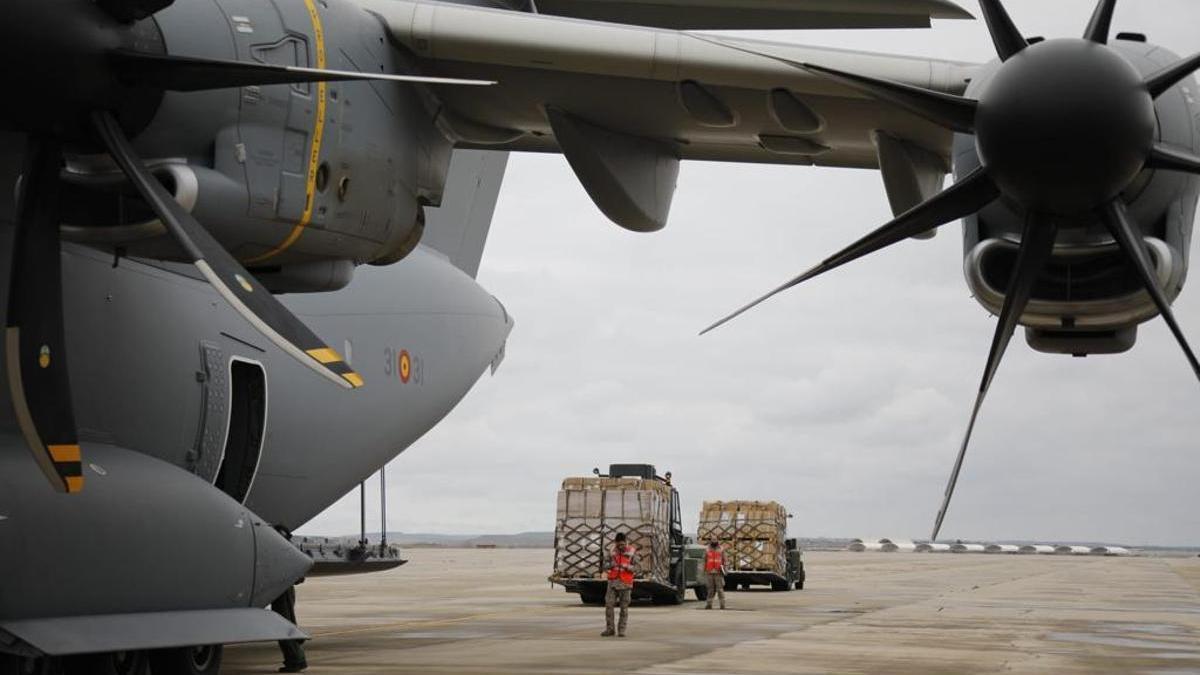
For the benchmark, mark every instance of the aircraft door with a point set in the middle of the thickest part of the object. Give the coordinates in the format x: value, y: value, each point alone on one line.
x: 276, y: 122
x: 247, y: 427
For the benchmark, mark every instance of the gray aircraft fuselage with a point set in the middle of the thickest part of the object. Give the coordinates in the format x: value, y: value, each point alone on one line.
x: 198, y: 434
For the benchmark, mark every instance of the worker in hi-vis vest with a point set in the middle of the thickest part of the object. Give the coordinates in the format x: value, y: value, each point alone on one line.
x: 621, y: 563
x: 714, y: 573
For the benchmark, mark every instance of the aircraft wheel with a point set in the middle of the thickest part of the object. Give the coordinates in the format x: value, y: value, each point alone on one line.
x: 109, y: 663
x: 22, y: 665
x: 202, y: 660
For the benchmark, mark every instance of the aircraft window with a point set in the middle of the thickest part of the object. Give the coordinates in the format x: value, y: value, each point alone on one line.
x: 247, y: 424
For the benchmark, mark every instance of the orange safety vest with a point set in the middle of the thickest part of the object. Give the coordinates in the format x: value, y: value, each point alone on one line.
x: 714, y: 560
x: 622, y: 566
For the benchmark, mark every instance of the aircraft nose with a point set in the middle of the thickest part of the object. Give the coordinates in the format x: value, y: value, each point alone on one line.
x: 278, y: 564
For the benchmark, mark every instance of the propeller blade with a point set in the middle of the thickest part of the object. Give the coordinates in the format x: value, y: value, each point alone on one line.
x: 1128, y: 237
x: 237, y: 286
x: 945, y: 110
x: 1101, y: 24
x: 1171, y: 159
x: 1037, y: 243
x: 186, y: 73
x: 34, y: 342
x: 1005, y: 36
x: 965, y: 197
x: 1168, y: 77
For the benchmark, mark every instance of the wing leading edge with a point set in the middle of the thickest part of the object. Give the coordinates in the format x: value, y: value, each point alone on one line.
x: 624, y: 103
x: 754, y: 14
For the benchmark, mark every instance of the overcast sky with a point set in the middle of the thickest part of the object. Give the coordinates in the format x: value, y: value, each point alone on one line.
x: 845, y: 399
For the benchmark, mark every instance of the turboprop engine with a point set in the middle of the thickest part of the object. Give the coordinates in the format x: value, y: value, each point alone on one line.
x: 1087, y: 299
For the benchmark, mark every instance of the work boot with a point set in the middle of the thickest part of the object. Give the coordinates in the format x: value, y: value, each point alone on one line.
x: 709, y: 606
x: 608, y: 632
x: 621, y: 634
x: 297, y: 668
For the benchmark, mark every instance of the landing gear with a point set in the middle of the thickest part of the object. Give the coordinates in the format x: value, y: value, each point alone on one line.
x: 203, y: 660
x: 23, y: 665
x: 111, y: 663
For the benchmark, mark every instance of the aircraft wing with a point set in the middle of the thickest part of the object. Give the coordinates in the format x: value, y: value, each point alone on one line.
x: 749, y: 14
x: 625, y: 103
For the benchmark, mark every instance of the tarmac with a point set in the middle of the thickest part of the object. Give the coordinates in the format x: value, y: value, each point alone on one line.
x: 492, y: 611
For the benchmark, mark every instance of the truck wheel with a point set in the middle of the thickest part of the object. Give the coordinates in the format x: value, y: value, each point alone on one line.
x: 591, y: 598
x: 730, y: 585
x: 800, y: 585
x: 202, y: 660
x: 701, y: 593
x: 780, y: 586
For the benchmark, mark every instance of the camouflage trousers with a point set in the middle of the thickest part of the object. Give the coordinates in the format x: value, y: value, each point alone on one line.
x: 715, y: 583
x: 618, y: 594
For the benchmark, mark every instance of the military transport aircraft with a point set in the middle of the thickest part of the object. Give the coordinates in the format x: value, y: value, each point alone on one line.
x: 243, y: 237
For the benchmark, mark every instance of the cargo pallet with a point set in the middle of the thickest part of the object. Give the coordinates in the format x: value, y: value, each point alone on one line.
x: 753, y: 535
x: 633, y: 500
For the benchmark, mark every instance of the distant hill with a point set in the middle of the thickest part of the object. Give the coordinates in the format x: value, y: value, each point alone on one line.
x: 432, y: 540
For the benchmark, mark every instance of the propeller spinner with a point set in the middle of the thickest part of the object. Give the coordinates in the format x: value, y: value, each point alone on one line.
x: 1062, y: 129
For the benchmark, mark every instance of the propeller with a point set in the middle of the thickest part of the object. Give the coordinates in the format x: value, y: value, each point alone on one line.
x: 1062, y: 129
x: 100, y: 74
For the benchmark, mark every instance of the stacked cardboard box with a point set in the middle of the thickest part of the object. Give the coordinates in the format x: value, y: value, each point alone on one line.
x: 752, y: 534
x: 592, y: 510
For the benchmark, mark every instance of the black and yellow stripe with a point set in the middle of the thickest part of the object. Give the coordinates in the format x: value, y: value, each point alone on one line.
x: 68, y: 462
x: 332, y: 360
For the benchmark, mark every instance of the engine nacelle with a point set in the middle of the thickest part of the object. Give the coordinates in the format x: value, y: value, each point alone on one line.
x: 1088, y: 300
x: 281, y: 175
x: 141, y: 524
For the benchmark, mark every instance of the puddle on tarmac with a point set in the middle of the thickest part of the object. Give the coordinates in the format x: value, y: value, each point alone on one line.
x: 1164, y: 649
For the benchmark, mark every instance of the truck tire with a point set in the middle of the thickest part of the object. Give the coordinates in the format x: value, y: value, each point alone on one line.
x: 730, y: 585
x: 701, y: 593
x: 800, y: 585
x: 591, y: 597
x: 780, y: 586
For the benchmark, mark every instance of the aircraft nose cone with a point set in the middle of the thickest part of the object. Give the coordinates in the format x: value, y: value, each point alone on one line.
x: 278, y: 564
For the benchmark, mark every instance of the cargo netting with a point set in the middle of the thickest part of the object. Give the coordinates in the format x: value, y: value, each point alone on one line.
x: 591, y: 511
x: 752, y: 534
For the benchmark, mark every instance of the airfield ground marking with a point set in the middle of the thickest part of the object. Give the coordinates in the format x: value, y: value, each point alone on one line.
x: 432, y: 622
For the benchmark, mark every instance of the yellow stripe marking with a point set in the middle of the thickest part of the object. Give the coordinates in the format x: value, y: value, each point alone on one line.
x: 74, y: 484
x: 354, y: 379
x: 325, y: 355
x: 65, y: 453
x: 314, y: 156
